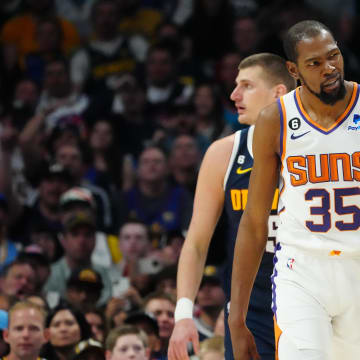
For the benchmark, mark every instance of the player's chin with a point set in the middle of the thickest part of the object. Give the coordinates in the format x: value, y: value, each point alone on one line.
x: 243, y: 119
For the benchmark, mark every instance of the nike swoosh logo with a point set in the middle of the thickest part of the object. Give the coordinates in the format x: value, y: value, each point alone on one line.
x: 240, y: 171
x: 294, y: 137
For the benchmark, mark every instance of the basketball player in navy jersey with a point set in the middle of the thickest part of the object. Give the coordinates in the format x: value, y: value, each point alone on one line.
x: 310, y: 141
x: 223, y: 182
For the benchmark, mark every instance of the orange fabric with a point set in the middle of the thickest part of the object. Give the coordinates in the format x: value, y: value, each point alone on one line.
x: 278, y: 333
x: 21, y: 32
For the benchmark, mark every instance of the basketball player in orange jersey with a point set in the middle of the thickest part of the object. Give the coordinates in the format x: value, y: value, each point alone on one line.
x: 222, y: 184
x: 310, y: 141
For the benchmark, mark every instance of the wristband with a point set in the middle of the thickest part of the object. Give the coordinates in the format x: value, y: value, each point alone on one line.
x: 184, y: 309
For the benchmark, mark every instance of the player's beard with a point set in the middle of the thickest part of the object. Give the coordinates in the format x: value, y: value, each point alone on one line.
x: 328, y: 98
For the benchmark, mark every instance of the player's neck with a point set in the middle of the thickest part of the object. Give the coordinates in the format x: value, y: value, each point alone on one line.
x: 322, y: 113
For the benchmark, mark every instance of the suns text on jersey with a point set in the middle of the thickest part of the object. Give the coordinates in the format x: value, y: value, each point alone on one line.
x: 323, y: 168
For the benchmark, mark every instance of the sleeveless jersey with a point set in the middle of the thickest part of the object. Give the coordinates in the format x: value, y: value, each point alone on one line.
x: 320, y: 195
x: 236, y: 184
x: 103, y: 66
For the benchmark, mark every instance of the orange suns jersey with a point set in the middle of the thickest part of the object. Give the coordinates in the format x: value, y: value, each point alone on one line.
x: 319, y: 203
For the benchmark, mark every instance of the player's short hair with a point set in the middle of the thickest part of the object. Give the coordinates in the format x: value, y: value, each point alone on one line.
x: 124, y: 330
x: 302, y: 30
x: 274, y: 69
x: 21, y: 305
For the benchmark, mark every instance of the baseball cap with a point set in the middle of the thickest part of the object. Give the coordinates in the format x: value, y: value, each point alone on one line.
x: 79, y: 218
x: 77, y: 194
x: 140, y: 317
x: 211, y: 276
x: 55, y: 170
x: 85, y: 277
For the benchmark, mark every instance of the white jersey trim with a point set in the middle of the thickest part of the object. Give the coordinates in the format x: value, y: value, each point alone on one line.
x: 250, y: 140
x: 232, y: 158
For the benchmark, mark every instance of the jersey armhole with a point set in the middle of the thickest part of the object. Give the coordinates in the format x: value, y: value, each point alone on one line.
x: 232, y: 158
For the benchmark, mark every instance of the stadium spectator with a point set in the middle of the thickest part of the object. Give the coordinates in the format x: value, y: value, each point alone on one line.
x: 67, y: 328
x: 26, y: 332
x: 19, y: 33
x: 153, y: 200
x: 184, y: 161
x: 73, y: 158
x: 162, y: 307
x: 210, y: 300
x: 18, y: 280
x: 96, y: 66
x: 127, y: 342
x: 83, y: 288
x: 163, y: 85
x: 78, y: 241
x: 97, y: 322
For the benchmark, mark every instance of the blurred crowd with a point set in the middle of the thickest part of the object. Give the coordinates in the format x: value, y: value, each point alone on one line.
x: 106, y: 109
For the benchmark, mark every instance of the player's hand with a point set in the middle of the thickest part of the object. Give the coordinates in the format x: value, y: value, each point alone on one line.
x: 184, y: 331
x: 243, y: 343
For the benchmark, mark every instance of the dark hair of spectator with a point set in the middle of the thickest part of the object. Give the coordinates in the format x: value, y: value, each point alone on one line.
x: 85, y: 330
x: 16, y: 262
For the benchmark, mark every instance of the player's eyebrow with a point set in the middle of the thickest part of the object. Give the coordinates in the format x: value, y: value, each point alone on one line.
x: 316, y: 57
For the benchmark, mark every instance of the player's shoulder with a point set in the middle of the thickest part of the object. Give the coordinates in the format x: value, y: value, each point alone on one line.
x: 221, y: 147
x: 269, y: 118
x: 217, y: 157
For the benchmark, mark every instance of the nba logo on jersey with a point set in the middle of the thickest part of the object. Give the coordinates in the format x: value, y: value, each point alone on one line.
x: 290, y: 263
x: 355, y: 124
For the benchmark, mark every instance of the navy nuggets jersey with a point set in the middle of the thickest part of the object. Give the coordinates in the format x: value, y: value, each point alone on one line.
x: 236, y: 182
x: 320, y: 193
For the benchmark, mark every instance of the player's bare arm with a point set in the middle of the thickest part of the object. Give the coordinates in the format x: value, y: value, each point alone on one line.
x: 208, y: 205
x: 252, y: 234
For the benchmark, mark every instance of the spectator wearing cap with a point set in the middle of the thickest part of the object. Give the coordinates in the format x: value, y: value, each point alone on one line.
x: 73, y: 158
x: 26, y: 332
x: 8, y: 249
x: 210, y: 300
x: 54, y: 180
x: 106, y: 247
x: 78, y: 241
x: 84, y: 288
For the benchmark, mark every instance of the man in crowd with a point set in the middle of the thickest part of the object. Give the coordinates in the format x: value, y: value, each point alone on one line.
x: 26, y: 332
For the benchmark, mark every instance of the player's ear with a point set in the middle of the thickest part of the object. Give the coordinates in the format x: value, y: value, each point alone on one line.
x: 280, y: 90
x: 6, y: 335
x: 292, y: 69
